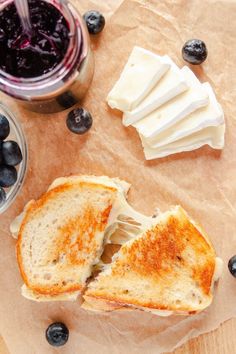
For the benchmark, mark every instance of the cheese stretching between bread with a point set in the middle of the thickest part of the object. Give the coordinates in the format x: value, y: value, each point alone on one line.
x: 166, y: 263
x: 170, y: 268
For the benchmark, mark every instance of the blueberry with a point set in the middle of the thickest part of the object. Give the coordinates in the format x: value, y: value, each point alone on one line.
x: 57, y: 334
x: 194, y: 51
x: 8, y: 176
x: 4, y: 127
x: 11, y: 153
x: 2, y: 196
x: 232, y: 266
x: 79, y: 121
x: 95, y: 21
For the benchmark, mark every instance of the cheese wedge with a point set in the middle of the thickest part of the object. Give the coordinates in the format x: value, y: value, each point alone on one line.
x: 212, y: 136
x: 176, y: 109
x: 211, y: 115
x: 171, y: 84
x: 141, y: 73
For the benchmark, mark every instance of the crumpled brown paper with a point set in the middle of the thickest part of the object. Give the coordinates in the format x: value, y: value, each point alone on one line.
x: 203, y: 181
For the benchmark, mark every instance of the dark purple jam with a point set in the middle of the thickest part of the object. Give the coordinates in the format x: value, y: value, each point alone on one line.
x: 33, y: 55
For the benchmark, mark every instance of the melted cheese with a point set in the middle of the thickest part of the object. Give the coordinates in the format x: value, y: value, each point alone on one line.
x: 218, y: 269
x: 16, y: 223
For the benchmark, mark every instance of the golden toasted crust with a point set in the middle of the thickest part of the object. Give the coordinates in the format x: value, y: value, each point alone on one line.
x: 35, y: 206
x: 174, y: 250
x: 110, y: 303
x: 156, y: 255
x: 89, y: 221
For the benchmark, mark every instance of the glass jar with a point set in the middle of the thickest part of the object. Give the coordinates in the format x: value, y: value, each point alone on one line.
x: 16, y: 134
x: 68, y: 82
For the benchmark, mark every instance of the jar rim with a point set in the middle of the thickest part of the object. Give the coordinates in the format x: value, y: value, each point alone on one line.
x: 60, y: 72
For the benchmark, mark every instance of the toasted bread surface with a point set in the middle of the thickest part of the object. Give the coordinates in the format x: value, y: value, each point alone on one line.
x: 170, y: 267
x: 32, y: 295
x: 61, y: 236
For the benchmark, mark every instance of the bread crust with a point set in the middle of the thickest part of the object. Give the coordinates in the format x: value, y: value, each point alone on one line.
x: 36, y: 206
x: 160, y: 256
x: 98, y: 303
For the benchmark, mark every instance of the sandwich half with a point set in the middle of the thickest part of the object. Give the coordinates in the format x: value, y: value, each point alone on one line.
x: 61, y: 236
x: 170, y: 268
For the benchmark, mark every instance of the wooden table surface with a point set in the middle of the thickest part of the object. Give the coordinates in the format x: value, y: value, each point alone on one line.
x: 221, y: 341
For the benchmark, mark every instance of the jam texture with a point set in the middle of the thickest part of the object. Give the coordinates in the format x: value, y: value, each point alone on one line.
x: 32, y: 55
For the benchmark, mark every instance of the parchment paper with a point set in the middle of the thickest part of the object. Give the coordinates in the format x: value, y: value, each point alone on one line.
x: 203, y: 181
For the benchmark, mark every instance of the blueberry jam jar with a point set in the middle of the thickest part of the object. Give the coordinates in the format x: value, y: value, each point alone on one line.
x: 51, y: 68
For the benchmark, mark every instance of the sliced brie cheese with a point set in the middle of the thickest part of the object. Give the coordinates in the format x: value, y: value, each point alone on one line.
x: 176, y: 109
x: 171, y: 84
x: 211, y: 115
x: 141, y: 73
x: 212, y: 136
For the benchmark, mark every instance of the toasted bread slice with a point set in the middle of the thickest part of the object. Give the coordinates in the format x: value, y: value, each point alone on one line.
x: 35, y: 296
x: 62, y: 234
x: 168, y: 269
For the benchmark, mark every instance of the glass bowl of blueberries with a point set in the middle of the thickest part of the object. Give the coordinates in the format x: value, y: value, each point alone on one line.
x: 13, y: 157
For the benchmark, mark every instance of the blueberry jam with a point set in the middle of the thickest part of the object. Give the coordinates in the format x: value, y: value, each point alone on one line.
x: 38, y: 53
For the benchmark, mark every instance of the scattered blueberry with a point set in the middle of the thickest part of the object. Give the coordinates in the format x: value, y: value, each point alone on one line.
x: 57, y: 334
x: 232, y: 266
x: 194, y: 51
x: 4, y: 127
x: 11, y: 153
x: 95, y: 21
x: 2, y: 196
x: 8, y: 176
x: 79, y: 121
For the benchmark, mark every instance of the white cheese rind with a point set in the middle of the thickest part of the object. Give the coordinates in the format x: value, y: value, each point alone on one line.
x: 211, y: 115
x: 176, y: 109
x: 212, y: 136
x: 171, y: 84
x: 141, y: 73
